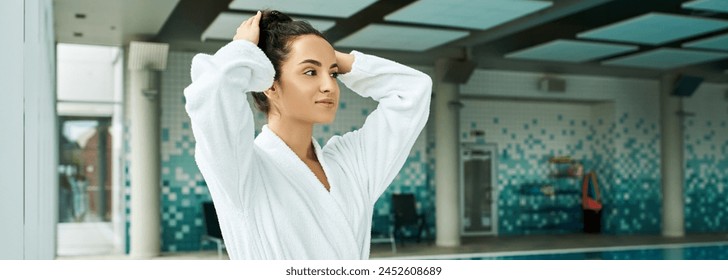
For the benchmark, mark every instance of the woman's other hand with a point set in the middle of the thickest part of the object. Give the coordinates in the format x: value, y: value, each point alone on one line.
x: 344, y: 61
x: 249, y: 29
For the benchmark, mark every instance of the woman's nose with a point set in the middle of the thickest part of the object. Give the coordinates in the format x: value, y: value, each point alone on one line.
x: 328, y: 85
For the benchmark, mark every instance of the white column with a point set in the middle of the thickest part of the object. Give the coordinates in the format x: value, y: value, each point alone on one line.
x: 11, y: 125
x: 672, y: 165
x: 28, y: 145
x: 446, y: 160
x: 41, y: 141
x: 118, y: 214
x: 145, y: 171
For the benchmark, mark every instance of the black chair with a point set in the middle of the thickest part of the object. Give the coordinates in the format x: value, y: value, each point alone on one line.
x: 212, y: 228
x: 404, y: 207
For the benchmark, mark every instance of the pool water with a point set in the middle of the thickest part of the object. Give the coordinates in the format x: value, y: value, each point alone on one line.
x: 663, y: 252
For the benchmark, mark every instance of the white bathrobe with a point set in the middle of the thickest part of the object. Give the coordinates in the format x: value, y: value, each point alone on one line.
x: 269, y: 203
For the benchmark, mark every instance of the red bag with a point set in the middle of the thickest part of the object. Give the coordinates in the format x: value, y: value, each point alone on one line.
x: 587, y: 202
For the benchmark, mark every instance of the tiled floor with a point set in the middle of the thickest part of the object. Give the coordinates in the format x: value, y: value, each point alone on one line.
x: 91, y: 238
x: 478, y: 245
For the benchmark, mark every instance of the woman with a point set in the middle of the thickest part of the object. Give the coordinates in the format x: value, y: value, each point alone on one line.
x: 280, y: 195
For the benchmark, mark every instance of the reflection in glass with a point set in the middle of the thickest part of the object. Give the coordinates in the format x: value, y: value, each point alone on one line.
x: 84, y: 170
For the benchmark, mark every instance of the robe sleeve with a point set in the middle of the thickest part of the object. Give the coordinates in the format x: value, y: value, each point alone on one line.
x: 221, y: 118
x: 381, y: 146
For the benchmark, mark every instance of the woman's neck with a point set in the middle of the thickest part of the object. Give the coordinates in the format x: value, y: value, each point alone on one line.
x: 296, y: 135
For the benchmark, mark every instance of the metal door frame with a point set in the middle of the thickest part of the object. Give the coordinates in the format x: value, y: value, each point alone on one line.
x: 494, y: 190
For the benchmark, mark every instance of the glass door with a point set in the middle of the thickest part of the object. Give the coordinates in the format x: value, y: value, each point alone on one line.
x: 478, y: 191
x: 84, y: 170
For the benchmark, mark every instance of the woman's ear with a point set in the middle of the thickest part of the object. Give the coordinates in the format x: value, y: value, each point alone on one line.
x: 273, y: 92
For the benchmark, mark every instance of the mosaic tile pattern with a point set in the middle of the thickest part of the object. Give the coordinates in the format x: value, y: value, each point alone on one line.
x: 525, y: 143
x: 184, y: 189
x: 706, y: 160
x: 634, y: 193
x: 412, y: 178
x: 127, y: 184
x: 603, y: 152
x: 633, y: 197
x: 620, y: 140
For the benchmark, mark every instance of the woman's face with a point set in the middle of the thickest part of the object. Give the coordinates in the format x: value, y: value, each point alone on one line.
x: 307, y: 90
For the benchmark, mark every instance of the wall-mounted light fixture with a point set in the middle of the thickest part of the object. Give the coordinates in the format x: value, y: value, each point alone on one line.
x: 551, y: 84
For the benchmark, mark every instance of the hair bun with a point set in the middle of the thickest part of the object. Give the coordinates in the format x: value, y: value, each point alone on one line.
x: 271, y: 17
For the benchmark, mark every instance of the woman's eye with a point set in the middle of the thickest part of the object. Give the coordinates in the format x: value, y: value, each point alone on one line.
x: 310, y: 73
x: 335, y: 74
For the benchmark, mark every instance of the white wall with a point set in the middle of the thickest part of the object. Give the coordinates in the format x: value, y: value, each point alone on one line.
x: 28, y: 141
x: 86, y: 74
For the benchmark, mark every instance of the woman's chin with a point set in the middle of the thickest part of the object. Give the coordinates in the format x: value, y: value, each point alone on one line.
x: 326, y: 120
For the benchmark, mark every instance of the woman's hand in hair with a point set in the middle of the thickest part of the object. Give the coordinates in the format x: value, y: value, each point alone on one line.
x: 344, y: 61
x: 249, y: 29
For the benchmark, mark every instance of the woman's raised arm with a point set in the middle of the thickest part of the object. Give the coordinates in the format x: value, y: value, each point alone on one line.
x: 380, y: 148
x: 221, y: 119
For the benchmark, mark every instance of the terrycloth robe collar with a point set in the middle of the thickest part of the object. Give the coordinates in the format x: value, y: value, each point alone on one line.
x: 282, y: 154
x: 333, y: 221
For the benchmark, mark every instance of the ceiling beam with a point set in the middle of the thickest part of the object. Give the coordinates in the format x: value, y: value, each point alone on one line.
x: 373, y: 14
x: 189, y: 19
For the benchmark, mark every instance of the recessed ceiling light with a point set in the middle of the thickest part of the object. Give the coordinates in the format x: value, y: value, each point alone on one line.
x: 655, y: 29
x: 223, y: 27
x: 718, y: 43
x: 666, y: 58
x: 405, y: 38
x: 324, y: 8
x: 469, y: 14
x: 720, y: 6
x: 571, y: 51
x: 80, y: 16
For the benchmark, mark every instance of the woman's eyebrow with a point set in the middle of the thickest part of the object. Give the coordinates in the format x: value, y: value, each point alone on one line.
x: 312, y: 61
x: 315, y: 62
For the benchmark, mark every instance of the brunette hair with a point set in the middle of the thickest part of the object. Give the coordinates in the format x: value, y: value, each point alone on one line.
x: 277, y: 30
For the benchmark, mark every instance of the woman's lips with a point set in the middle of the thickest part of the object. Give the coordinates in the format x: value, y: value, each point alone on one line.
x: 326, y: 102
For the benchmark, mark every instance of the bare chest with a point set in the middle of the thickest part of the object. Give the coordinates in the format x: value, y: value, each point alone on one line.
x: 319, y: 172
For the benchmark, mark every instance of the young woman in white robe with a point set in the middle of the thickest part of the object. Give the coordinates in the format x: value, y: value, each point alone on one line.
x: 281, y: 195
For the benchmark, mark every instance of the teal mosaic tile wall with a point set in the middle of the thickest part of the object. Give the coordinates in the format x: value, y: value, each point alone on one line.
x: 127, y: 183
x: 706, y: 160
x: 603, y: 152
x: 620, y: 141
x: 635, y: 189
x: 525, y: 143
x: 632, y: 189
x: 634, y: 197
x: 184, y: 189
